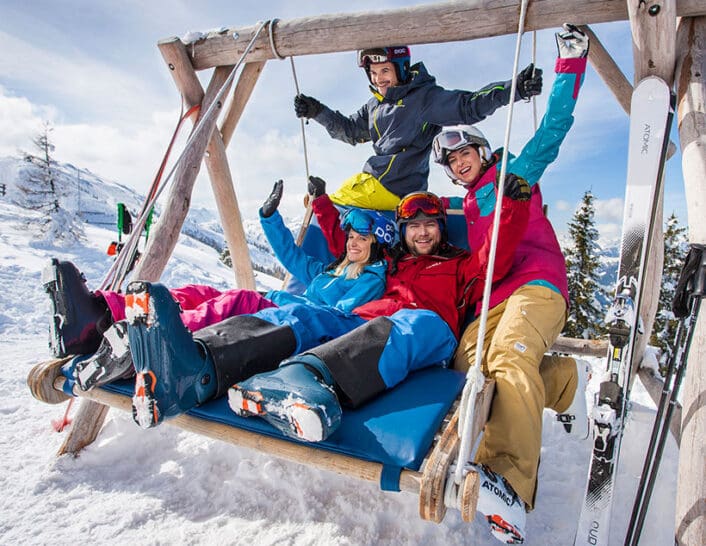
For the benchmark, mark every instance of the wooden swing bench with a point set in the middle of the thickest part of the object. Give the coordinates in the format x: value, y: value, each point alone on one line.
x: 405, y: 440
x: 425, y: 469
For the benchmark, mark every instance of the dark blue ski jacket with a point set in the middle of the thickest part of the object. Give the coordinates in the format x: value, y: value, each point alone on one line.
x: 403, y: 124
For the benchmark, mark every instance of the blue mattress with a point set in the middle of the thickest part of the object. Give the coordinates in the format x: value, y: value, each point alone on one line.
x: 396, y: 429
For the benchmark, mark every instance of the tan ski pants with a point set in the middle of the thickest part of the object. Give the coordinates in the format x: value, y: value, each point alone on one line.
x: 519, y: 331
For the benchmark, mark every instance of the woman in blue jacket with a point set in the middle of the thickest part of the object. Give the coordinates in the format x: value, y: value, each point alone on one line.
x: 175, y: 374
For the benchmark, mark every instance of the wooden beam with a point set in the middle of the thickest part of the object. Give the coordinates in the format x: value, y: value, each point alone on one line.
x: 654, y: 30
x: 244, y: 88
x: 425, y: 24
x: 587, y: 347
x: 690, y: 511
x: 608, y: 70
x: 174, y: 53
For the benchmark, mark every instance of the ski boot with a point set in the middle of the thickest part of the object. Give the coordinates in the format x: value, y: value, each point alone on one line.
x: 110, y: 362
x: 297, y: 399
x: 575, y: 419
x: 79, y: 317
x: 174, y: 372
x: 502, y: 508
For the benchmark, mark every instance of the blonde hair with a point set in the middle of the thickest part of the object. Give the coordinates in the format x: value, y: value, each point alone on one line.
x: 352, y: 270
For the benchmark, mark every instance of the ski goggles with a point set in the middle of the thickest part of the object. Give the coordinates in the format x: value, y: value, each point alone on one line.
x: 367, y: 222
x: 425, y: 203
x: 451, y: 140
x: 381, y: 55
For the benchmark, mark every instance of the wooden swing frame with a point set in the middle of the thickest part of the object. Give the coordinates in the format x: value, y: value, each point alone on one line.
x: 662, y: 45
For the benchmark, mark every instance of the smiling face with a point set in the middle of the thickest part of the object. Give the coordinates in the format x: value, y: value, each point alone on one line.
x: 422, y: 236
x: 465, y: 164
x: 383, y: 76
x: 358, y: 247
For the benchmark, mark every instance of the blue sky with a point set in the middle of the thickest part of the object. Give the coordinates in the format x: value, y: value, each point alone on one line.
x: 94, y: 71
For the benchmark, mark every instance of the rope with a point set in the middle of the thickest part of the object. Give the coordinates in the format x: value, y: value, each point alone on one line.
x: 534, y: 62
x: 119, y: 267
x: 271, y: 29
x: 475, y: 378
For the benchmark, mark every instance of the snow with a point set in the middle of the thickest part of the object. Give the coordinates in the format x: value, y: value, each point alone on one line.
x: 167, y: 486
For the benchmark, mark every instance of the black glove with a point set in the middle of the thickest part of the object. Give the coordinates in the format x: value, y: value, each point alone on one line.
x: 270, y: 205
x: 517, y: 188
x: 306, y: 107
x: 316, y: 186
x: 529, y: 82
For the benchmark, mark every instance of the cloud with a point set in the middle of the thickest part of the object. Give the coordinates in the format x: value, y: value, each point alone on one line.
x: 609, y: 210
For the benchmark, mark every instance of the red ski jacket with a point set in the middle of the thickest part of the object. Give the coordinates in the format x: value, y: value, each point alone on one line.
x: 448, y: 283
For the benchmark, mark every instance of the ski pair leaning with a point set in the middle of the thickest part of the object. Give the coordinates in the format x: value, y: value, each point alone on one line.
x: 651, y: 113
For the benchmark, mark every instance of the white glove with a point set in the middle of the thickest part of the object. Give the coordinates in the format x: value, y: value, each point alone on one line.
x: 571, y: 43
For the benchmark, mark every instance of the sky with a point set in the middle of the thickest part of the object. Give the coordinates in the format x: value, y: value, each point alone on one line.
x: 168, y: 486
x: 93, y: 70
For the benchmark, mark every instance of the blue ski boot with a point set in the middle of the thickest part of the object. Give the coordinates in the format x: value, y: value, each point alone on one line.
x: 110, y: 362
x: 79, y: 317
x: 174, y: 372
x: 297, y: 399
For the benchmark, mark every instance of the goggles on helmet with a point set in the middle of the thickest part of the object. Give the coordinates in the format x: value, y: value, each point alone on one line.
x: 367, y: 222
x: 382, y: 55
x: 416, y: 203
x: 450, y: 140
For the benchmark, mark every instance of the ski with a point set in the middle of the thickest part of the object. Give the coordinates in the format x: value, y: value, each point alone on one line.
x: 651, y: 113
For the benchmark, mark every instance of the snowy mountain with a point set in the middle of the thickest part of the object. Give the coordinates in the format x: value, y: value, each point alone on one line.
x: 166, y: 486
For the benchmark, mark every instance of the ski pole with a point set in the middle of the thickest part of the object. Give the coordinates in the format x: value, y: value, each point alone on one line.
x: 661, y: 426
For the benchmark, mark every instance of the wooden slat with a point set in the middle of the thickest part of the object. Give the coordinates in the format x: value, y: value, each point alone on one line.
x: 244, y: 88
x: 425, y: 24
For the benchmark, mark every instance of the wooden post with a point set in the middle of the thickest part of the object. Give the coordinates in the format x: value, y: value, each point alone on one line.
x: 174, y: 53
x: 653, y: 27
x: 690, y: 514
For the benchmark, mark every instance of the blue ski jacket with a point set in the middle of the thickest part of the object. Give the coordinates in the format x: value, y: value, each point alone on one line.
x: 403, y: 124
x: 322, y: 287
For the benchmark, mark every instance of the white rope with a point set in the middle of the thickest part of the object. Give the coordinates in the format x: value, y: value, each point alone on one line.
x: 475, y: 378
x: 534, y: 63
x: 301, y: 121
x: 119, y: 268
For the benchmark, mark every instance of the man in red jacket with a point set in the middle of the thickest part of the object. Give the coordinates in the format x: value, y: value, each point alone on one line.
x: 416, y: 323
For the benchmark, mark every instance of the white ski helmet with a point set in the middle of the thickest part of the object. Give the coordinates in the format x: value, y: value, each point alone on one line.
x: 455, y: 137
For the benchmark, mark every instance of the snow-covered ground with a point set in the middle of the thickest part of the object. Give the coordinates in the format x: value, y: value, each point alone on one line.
x: 165, y: 486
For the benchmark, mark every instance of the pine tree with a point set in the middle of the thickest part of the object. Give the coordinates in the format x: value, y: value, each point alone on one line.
x: 582, y: 263
x: 39, y: 187
x: 675, y: 249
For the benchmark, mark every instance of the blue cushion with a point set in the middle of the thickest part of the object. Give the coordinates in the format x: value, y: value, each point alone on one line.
x: 396, y: 429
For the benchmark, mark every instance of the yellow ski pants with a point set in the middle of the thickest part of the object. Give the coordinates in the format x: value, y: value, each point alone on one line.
x: 365, y: 191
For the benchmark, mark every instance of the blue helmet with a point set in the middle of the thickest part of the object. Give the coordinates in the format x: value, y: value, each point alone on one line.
x: 368, y: 222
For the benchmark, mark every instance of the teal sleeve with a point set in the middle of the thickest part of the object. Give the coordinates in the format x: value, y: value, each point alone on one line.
x: 543, y: 148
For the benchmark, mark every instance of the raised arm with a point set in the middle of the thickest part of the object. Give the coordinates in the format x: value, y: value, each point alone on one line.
x: 543, y: 148
x: 291, y: 256
x: 352, y: 129
x: 327, y: 216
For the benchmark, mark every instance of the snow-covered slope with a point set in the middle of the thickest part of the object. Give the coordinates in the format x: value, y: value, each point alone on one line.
x: 165, y: 486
